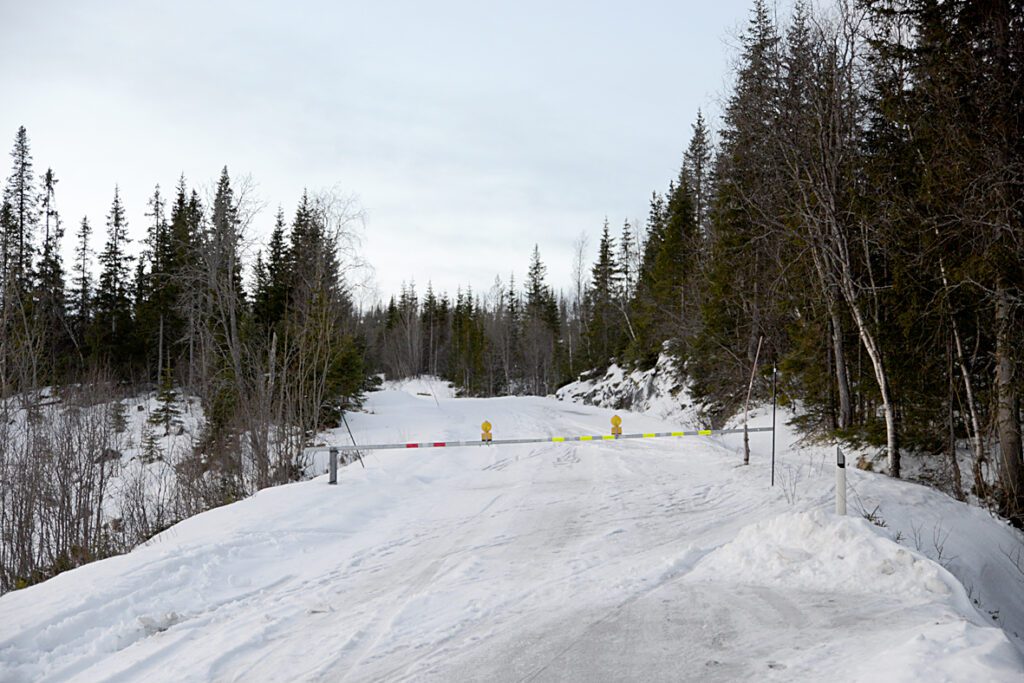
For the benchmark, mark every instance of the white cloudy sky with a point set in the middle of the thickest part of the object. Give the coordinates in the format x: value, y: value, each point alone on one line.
x: 468, y: 130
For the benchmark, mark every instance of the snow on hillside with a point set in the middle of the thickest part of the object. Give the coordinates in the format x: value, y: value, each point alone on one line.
x: 424, y: 386
x: 629, y: 560
x: 656, y: 391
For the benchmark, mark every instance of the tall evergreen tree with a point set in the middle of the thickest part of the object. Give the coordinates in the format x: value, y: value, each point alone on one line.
x: 540, y: 299
x: 50, y: 297
x: 80, y: 300
x: 18, y: 230
x: 628, y: 263
x: 112, y: 304
x: 321, y: 312
x: 675, y: 264
x: 271, y: 292
x: 540, y: 329
x: 603, y: 325
x: 697, y: 165
x: 156, y: 295
x: 21, y: 196
x: 182, y: 319
x: 221, y: 315
x: 736, y: 304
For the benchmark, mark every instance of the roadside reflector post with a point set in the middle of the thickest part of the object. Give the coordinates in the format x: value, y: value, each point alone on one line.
x: 486, y: 436
x: 840, y: 482
x: 774, y: 403
x: 334, y: 467
x: 616, y: 426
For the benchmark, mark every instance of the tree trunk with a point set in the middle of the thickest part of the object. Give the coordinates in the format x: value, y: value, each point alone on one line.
x: 954, y: 466
x: 842, y: 378
x: 1011, y: 470
x: 881, y: 376
x: 160, y: 352
x: 972, y: 409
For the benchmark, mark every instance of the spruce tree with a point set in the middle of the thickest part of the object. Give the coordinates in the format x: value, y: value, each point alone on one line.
x: 21, y: 196
x: 6, y: 230
x: 648, y: 319
x: 540, y: 299
x: 182, y: 318
x: 50, y: 296
x: 628, y: 264
x: 221, y: 304
x: 697, y: 165
x: 167, y: 410
x: 157, y: 320
x: 112, y: 305
x: 735, y: 300
x: 319, y: 314
x: 540, y: 330
x: 150, y: 446
x: 602, y: 330
x: 222, y: 241
x: 272, y: 287
x: 80, y: 299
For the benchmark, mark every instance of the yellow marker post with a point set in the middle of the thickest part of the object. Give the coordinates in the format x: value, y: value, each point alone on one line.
x: 486, y: 436
x: 616, y: 425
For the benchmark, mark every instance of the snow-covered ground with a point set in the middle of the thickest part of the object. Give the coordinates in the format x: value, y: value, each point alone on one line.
x: 631, y: 560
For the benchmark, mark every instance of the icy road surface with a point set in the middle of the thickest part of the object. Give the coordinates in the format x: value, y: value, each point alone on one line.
x: 649, y: 561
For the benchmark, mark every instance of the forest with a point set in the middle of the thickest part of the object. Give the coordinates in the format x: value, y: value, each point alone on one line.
x: 855, y: 218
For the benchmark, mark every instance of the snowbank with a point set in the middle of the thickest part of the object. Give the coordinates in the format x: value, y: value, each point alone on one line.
x: 844, y: 556
x: 817, y: 551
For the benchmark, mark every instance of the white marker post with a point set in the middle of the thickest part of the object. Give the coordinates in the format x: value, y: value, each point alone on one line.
x: 840, y: 482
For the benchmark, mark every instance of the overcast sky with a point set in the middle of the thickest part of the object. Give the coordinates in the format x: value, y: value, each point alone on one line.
x: 468, y: 130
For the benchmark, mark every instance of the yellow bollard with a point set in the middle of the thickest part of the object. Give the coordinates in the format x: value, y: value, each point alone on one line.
x: 486, y: 436
x: 616, y: 425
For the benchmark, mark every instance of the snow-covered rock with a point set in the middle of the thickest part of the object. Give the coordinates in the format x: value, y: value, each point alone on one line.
x: 658, y: 392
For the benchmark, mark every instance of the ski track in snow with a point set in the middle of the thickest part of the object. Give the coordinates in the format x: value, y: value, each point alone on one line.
x: 630, y: 560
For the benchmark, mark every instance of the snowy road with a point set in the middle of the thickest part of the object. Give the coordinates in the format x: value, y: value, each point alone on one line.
x: 652, y: 560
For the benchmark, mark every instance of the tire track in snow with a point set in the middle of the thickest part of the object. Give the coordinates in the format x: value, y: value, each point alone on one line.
x: 382, y: 623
